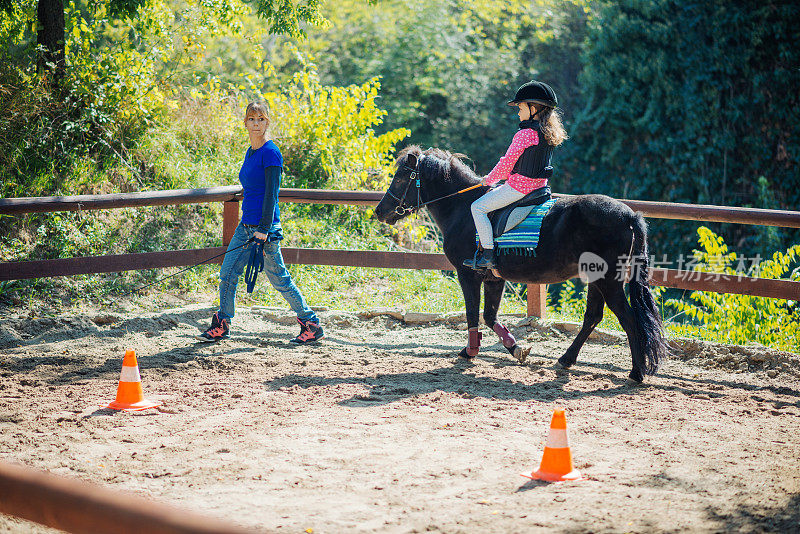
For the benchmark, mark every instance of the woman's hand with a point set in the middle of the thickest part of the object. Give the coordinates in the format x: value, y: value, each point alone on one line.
x: 259, y: 236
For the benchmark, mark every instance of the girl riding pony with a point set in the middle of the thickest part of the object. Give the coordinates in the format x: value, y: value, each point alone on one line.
x: 525, y: 164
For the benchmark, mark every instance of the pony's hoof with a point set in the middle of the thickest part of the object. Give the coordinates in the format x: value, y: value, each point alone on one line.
x: 635, y: 378
x: 559, y: 365
x: 519, y: 353
x: 464, y: 354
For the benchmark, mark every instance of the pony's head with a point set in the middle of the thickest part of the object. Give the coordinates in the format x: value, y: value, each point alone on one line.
x: 419, y: 176
x: 397, y: 202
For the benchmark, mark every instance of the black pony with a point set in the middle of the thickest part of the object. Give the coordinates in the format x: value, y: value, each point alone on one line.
x: 576, y: 225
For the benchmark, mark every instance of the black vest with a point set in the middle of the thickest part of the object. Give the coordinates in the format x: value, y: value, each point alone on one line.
x: 535, y: 158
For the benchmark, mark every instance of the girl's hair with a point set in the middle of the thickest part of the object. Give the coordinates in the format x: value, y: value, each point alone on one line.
x: 256, y: 108
x: 552, y: 128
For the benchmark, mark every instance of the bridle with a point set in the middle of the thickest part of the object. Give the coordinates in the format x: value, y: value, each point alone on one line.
x: 402, y: 208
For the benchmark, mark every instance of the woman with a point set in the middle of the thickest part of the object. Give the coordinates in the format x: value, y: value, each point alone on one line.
x: 260, y: 177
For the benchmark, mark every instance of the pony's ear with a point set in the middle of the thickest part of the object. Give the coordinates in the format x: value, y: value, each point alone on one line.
x: 411, y: 161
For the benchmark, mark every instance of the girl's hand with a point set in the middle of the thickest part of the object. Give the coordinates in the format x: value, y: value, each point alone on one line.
x: 259, y: 236
x: 485, y: 180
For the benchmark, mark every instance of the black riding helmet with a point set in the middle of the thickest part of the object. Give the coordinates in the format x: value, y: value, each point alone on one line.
x: 535, y: 93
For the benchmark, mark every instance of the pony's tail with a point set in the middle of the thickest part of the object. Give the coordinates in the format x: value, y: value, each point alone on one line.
x: 650, y: 332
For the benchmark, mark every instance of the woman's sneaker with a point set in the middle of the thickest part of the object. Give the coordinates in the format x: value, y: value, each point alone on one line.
x: 220, y: 328
x: 309, y: 332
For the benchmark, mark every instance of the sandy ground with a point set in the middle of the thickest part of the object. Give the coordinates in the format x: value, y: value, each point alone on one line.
x: 381, y: 428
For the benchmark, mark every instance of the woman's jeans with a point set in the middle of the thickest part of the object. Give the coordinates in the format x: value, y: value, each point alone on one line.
x: 492, y: 200
x: 234, y: 264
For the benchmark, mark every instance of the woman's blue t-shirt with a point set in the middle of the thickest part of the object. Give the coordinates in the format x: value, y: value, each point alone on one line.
x: 253, y: 179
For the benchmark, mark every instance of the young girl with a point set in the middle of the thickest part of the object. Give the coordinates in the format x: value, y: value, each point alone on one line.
x: 524, y: 164
x: 260, y: 176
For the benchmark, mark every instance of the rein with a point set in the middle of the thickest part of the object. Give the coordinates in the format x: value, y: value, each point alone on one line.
x: 402, y: 209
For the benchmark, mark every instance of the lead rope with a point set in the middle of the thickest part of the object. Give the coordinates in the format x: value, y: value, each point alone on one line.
x: 184, y: 270
x: 255, y: 265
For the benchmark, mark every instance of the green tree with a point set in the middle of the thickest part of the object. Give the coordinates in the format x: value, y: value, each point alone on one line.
x: 691, y: 102
x: 447, y: 67
x: 96, y: 75
x: 284, y: 17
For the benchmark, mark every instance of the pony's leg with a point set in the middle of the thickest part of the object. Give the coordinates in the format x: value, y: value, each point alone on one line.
x: 471, y: 287
x: 618, y: 303
x: 592, y: 317
x: 492, y: 295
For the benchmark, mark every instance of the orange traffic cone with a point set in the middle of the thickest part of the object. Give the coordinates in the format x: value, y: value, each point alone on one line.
x: 557, y: 459
x: 129, y: 392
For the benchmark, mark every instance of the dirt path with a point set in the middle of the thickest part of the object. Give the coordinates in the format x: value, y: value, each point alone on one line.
x: 381, y: 428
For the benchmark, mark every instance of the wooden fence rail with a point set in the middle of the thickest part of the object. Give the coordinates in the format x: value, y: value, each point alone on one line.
x: 80, y: 507
x: 659, y: 210
x: 231, y: 195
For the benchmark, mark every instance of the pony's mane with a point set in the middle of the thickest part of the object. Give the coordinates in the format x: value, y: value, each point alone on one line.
x: 440, y: 162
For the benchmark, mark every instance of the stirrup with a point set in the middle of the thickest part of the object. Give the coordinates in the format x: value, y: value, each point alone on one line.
x: 473, y: 261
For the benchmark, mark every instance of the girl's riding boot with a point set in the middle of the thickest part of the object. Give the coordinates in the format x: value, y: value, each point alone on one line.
x: 486, y: 260
x: 472, y: 261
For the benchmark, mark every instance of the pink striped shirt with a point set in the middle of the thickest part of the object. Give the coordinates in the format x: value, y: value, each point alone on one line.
x: 502, y: 171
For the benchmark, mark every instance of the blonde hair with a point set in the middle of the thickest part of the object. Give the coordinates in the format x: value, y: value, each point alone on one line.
x: 255, y: 108
x: 552, y: 127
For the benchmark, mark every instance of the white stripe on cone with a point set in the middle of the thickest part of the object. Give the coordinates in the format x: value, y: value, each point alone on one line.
x: 130, y: 374
x: 557, y: 439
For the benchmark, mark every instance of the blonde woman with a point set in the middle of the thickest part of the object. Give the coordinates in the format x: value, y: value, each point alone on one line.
x: 260, y: 177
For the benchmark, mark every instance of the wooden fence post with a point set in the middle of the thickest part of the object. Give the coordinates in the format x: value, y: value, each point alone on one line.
x: 230, y: 219
x: 537, y: 300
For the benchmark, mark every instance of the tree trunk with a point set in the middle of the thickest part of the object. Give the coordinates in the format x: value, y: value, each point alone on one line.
x: 50, y: 38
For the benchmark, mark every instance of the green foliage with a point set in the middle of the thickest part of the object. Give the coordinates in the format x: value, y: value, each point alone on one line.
x: 66, y: 235
x: 289, y: 15
x: 126, y: 61
x: 108, y: 97
x: 327, y: 136
x: 199, y: 143
x: 447, y: 67
x: 571, y: 300
x: 690, y: 102
x: 743, y: 319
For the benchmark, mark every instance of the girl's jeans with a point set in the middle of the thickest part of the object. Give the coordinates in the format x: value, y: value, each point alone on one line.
x: 234, y: 264
x: 492, y: 200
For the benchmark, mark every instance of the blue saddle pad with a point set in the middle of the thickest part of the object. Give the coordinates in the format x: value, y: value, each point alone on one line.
x: 523, y: 238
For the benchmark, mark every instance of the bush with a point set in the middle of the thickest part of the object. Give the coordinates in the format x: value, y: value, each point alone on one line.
x: 326, y: 134
x: 742, y: 319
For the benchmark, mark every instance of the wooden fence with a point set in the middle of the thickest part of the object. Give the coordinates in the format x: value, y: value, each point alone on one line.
x: 230, y: 196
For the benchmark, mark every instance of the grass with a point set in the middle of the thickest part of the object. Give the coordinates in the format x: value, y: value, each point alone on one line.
x: 356, y: 289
